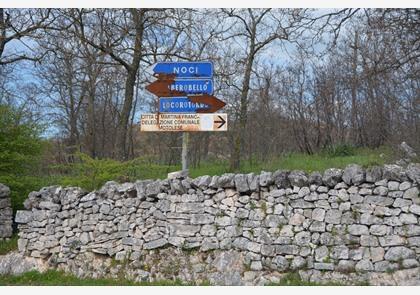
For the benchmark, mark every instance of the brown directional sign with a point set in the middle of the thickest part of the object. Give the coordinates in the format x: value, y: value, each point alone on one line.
x: 213, y: 102
x: 184, y: 95
x: 161, y: 87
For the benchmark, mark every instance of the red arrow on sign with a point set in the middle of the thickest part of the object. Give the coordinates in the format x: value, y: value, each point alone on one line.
x: 161, y: 87
x: 213, y: 102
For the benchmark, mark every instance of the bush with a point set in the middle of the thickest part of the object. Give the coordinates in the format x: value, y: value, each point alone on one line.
x: 20, y: 144
x: 91, y: 174
x: 339, y: 150
x: 20, y: 151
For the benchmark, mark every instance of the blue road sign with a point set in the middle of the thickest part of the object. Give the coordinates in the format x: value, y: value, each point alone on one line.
x: 193, y: 86
x: 179, y: 104
x: 185, y: 69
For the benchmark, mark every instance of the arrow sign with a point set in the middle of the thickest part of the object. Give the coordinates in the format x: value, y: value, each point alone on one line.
x: 192, y: 104
x: 214, y: 104
x: 173, y: 87
x: 161, y: 87
x: 185, y: 69
x: 183, y: 122
x: 180, y: 104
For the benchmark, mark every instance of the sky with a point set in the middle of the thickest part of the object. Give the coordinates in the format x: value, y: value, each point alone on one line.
x: 25, y: 74
x: 26, y: 71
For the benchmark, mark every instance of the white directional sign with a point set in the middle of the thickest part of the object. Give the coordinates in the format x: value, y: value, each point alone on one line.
x: 183, y: 122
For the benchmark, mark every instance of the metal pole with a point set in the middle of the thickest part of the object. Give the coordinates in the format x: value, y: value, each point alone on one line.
x: 184, y: 154
x: 185, y: 135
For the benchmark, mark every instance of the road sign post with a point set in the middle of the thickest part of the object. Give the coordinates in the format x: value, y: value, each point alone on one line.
x: 184, y: 153
x: 186, y: 101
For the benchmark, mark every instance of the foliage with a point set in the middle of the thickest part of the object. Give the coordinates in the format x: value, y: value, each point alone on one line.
x: 20, y: 153
x: 59, y: 278
x: 20, y: 145
x: 7, y: 246
x: 339, y: 150
x: 91, y: 173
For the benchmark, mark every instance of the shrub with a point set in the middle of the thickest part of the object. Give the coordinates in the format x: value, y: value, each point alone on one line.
x: 339, y: 150
x: 20, y: 152
x: 20, y: 144
x: 91, y: 174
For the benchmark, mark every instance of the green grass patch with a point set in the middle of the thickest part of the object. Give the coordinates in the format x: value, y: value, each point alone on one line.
x: 59, y: 278
x: 309, y: 163
x: 10, y: 245
x: 294, y: 279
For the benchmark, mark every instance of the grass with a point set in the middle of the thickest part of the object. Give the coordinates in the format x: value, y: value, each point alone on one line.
x: 10, y: 245
x: 294, y: 279
x: 59, y: 278
x: 297, y: 161
x: 102, y: 170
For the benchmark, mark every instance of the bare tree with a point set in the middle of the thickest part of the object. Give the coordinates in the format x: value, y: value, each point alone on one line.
x: 258, y: 28
x: 118, y: 27
x: 19, y: 26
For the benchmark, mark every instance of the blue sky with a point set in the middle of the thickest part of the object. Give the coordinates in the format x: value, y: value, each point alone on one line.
x: 26, y: 74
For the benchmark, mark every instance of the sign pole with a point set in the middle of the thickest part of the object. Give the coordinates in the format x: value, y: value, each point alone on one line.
x: 186, y: 101
x: 185, y: 135
x: 184, y: 153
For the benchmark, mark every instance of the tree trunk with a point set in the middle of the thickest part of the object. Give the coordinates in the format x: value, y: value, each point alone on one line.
x: 73, y: 138
x: 131, y: 147
x: 125, y: 115
x: 240, y: 134
x: 2, y: 31
x: 129, y: 85
x: 91, y: 134
x: 354, y: 128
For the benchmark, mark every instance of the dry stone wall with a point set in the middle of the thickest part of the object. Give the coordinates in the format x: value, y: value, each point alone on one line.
x: 6, y: 213
x: 347, y: 221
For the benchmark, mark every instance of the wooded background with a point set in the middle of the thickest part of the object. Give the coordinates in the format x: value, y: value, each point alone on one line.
x: 293, y: 79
